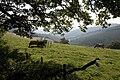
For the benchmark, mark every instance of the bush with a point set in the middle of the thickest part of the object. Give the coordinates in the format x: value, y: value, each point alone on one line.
x: 114, y: 45
x: 8, y: 59
x: 64, y: 41
x: 2, y: 33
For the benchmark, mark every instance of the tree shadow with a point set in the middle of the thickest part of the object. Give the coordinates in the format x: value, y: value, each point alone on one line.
x: 35, y: 46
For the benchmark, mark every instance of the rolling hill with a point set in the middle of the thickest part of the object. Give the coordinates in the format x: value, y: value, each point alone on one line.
x: 72, y: 34
x: 98, y: 36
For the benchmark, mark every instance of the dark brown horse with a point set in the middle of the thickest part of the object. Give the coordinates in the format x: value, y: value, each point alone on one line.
x: 38, y: 43
x: 33, y: 43
x: 99, y: 45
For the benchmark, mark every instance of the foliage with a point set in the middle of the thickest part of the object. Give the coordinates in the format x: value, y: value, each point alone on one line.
x: 103, y: 10
x: 114, y: 45
x: 8, y: 58
x: 64, y: 41
x: 49, y: 14
x: 56, y: 16
x: 2, y: 32
x: 107, y: 5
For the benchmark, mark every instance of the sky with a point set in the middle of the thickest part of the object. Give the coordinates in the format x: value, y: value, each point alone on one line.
x: 116, y: 20
x: 111, y: 21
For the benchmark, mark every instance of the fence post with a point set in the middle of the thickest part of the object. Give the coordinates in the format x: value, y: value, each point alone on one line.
x: 41, y: 60
x: 27, y: 56
x: 64, y: 71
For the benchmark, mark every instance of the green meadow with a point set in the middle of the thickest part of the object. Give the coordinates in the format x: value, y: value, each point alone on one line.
x: 78, y: 56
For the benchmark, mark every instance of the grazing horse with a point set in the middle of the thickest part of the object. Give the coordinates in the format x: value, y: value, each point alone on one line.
x: 42, y: 43
x: 99, y: 45
x: 33, y: 43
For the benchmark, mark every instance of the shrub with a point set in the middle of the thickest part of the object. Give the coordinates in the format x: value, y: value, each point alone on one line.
x: 64, y: 41
x: 1, y: 33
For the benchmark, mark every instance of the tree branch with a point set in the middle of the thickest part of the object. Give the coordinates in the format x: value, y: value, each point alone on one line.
x: 84, y: 67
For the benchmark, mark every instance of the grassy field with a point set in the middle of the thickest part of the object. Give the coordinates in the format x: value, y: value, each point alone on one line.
x: 76, y: 55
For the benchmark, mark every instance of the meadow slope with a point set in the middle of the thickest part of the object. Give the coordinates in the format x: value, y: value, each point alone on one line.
x: 76, y: 55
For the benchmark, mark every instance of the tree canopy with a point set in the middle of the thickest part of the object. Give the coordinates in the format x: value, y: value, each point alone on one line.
x: 56, y: 16
x: 103, y: 9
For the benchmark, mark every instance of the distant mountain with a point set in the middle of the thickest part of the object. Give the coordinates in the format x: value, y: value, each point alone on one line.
x: 98, y: 36
x: 75, y: 33
x: 72, y: 34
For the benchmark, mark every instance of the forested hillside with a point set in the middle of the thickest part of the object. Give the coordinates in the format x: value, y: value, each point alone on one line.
x: 99, y: 36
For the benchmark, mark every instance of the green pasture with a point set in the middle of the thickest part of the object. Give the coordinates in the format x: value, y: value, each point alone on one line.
x: 76, y: 55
